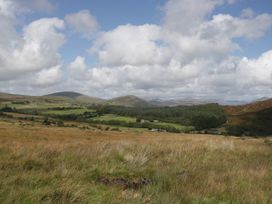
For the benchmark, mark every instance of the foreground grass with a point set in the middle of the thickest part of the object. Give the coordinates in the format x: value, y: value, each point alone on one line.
x: 68, y: 165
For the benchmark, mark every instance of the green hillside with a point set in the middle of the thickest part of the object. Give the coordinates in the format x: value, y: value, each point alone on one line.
x: 129, y: 101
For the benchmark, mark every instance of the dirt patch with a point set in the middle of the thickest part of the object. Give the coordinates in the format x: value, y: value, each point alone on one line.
x: 125, y: 183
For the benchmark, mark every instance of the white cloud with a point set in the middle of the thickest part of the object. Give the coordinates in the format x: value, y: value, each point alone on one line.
x: 134, y: 45
x: 37, y: 49
x: 227, y: 26
x: 256, y: 72
x: 48, y: 77
x: 83, y: 23
x: 184, y: 15
x: 13, y: 8
x: 78, y: 68
x: 247, y: 13
x: 29, y: 56
x: 189, y: 55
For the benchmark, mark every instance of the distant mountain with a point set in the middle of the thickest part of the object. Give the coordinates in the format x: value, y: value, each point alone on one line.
x: 177, y: 102
x: 78, y: 97
x: 129, y: 101
x: 68, y: 94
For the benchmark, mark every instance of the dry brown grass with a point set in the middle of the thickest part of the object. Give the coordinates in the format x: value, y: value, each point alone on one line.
x: 41, y: 164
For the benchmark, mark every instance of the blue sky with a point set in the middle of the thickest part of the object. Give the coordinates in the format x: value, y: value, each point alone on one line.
x: 216, y: 49
x: 111, y: 14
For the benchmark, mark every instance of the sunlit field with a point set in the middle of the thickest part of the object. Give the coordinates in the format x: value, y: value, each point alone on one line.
x: 40, y: 164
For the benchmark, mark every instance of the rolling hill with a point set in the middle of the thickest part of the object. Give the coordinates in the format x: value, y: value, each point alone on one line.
x: 129, y: 101
x: 251, y: 119
x: 249, y: 108
x: 177, y: 102
x: 67, y: 94
x: 77, y: 97
x: 74, y: 97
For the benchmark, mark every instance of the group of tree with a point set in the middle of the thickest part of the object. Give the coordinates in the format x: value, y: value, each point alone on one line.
x: 200, y: 116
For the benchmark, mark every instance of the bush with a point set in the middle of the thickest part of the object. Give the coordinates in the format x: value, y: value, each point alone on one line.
x: 6, y: 109
x: 235, y: 130
x: 206, y: 121
x: 46, y: 121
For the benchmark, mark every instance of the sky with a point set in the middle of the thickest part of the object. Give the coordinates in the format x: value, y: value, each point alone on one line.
x: 163, y: 49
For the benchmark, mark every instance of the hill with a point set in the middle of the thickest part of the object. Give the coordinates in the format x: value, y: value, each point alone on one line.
x: 249, y: 108
x: 250, y: 119
x: 77, y: 97
x: 67, y: 94
x: 11, y: 97
x: 177, y: 102
x: 129, y: 101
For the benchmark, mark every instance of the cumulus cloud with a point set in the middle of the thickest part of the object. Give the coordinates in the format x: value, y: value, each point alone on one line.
x: 13, y: 8
x: 185, y: 15
x: 189, y: 55
x: 202, y: 78
x: 134, y: 45
x: 48, y: 77
x: 35, y: 50
x: 78, y: 68
x: 227, y: 26
x: 82, y: 22
x: 29, y: 56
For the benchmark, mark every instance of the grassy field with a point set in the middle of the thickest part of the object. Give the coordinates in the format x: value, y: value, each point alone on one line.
x: 177, y: 126
x: 38, y: 105
x: 41, y: 164
x: 109, y: 117
x: 66, y: 112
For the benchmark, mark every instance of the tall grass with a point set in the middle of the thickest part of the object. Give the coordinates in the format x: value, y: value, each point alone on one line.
x: 66, y: 165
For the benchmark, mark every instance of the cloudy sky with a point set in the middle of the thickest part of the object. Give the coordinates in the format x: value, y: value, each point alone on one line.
x: 206, y: 49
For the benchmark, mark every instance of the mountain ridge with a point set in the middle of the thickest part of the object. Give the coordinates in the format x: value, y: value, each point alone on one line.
x: 129, y: 101
x: 132, y: 100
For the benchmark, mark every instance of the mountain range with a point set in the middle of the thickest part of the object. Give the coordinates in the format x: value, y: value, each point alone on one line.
x: 231, y: 106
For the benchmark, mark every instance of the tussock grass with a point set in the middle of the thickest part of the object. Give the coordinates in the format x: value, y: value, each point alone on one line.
x: 66, y: 165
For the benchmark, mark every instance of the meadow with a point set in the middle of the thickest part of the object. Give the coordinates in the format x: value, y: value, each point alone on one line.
x: 78, y: 111
x: 46, y: 164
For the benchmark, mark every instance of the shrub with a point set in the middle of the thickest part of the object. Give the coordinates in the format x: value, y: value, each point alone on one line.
x: 235, y: 130
x: 46, y: 121
x: 7, y: 109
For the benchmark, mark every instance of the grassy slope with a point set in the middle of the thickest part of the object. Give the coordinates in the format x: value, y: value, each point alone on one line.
x: 256, y: 117
x: 66, y: 112
x: 249, y: 108
x: 129, y: 101
x: 109, y: 117
x: 63, y: 165
x: 63, y: 99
